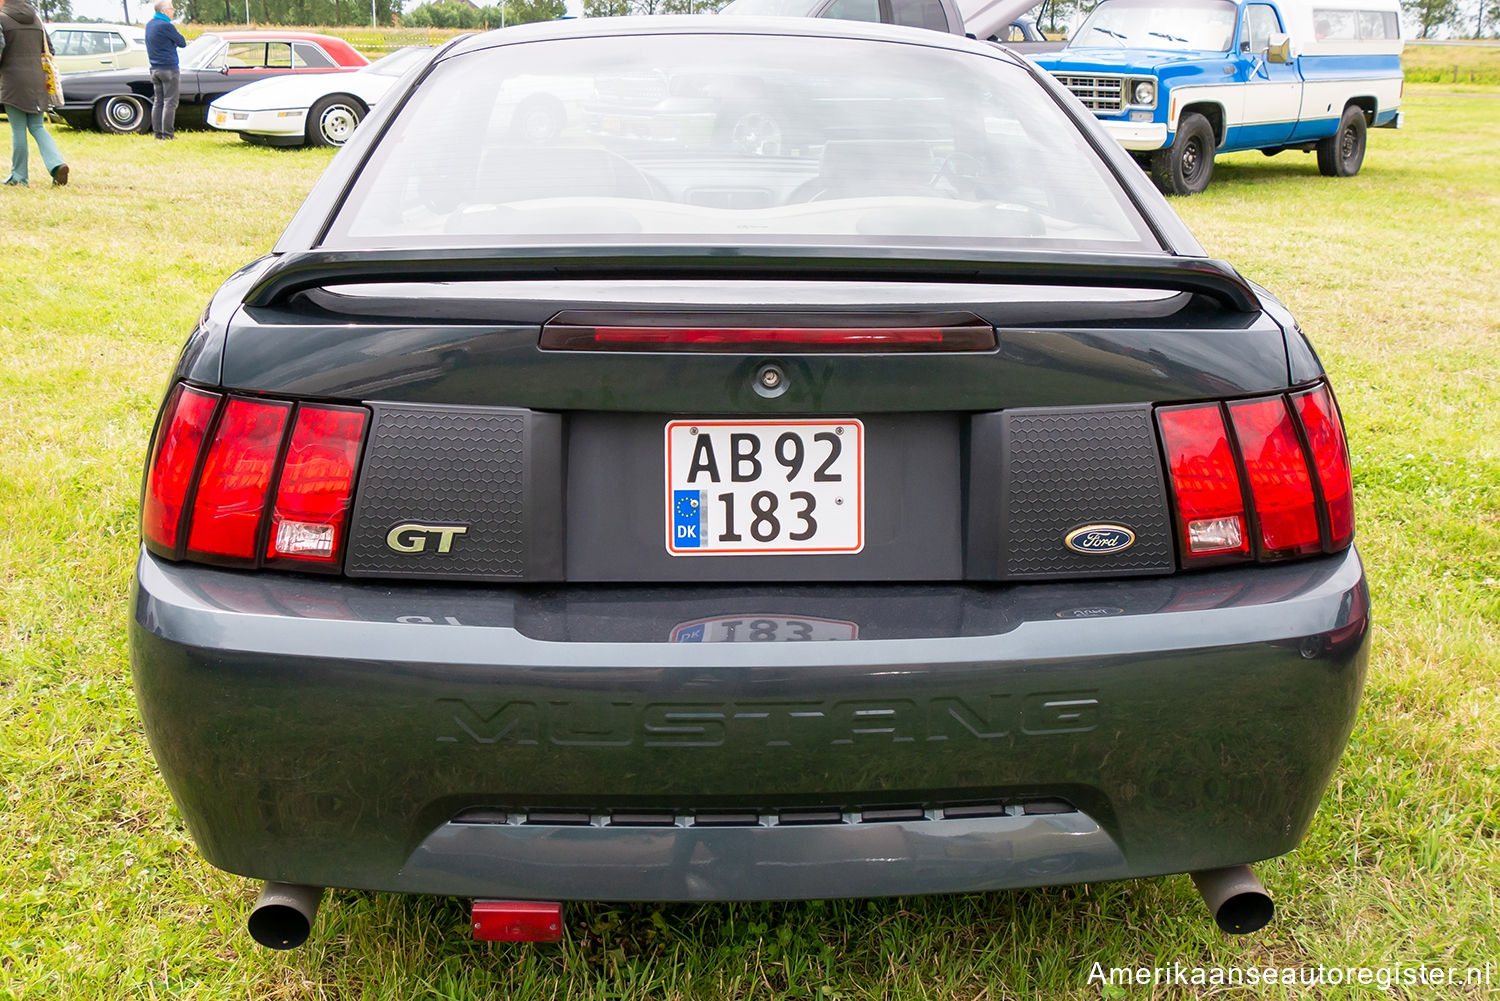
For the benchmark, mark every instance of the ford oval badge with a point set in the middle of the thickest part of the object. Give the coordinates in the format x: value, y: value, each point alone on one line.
x: 1100, y: 540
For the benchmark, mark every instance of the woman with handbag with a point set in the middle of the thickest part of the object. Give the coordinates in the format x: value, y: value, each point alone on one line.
x: 23, y: 90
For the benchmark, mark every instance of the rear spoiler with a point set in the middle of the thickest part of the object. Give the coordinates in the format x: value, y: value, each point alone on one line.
x: 298, y: 272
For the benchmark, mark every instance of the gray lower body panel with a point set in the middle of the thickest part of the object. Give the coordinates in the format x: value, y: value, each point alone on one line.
x: 614, y: 743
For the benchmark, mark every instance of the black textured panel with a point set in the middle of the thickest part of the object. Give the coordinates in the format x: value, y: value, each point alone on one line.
x: 485, y: 480
x: 1041, y: 473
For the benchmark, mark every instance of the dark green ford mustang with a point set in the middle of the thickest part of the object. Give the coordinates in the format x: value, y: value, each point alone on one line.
x: 815, y: 464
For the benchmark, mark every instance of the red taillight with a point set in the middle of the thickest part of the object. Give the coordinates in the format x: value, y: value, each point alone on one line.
x: 231, y: 502
x: 1280, y: 486
x: 1330, y: 454
x: 169, y: 474
x: 1296, y: 477
x: 317, y: 485
x: 575, y: 337
x: 1205, y: 483
x: 259, y: 463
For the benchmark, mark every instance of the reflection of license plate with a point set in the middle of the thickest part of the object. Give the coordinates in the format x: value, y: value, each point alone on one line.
x: 745, y: 488
x: 763, y: 629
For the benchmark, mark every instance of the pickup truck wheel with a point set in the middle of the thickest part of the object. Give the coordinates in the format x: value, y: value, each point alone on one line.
x: 1342, y: 154
x: 122, y: 115
x: 1186, y: 166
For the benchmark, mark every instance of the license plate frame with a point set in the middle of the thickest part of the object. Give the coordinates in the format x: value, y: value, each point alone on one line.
x: 814, y: 469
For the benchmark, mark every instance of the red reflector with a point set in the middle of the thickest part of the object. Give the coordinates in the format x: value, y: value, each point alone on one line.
x: 1205, y: 482
x: 1330, y: 453
x: 1280, y: 486
x: 568, y: 337
x: 169, y: 474
x: 231, y: 497
x: 317, y: 485
x: 517, y: 921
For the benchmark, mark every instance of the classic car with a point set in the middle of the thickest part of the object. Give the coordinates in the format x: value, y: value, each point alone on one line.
x: 318, y: 110
x: 85, y: 48
x: 212, y: 65
x: 581, y: 517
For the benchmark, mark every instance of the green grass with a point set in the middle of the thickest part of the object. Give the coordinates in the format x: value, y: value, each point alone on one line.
x: 1465, y: 63
x: 102, y: 895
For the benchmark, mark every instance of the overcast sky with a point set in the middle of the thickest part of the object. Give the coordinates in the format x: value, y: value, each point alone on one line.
x: 114, y: 10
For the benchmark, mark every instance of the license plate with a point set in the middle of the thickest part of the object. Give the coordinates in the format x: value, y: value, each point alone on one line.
x: 757, y: 488
x: 763, y: 629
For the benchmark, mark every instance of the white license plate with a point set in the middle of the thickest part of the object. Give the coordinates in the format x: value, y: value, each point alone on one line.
x: 763, y: 629
x: 755, y: 488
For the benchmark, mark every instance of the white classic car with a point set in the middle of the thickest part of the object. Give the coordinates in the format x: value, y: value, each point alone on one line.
x: 320, y: 110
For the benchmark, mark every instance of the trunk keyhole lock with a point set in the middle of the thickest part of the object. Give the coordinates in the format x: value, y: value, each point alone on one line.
x: 770, y: 381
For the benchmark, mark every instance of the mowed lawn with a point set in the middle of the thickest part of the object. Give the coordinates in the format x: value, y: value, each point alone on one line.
x: 1396, y: 276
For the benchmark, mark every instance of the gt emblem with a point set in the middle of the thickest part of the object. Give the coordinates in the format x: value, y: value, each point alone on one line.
x: 1100, y: 540
x: 413, y: 538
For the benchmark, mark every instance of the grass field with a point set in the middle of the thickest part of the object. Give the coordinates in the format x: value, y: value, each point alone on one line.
x: 1394, y: 275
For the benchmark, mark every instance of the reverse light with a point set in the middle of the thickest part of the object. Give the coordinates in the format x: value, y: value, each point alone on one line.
x: 317, y: 484
x: 1205, y: 482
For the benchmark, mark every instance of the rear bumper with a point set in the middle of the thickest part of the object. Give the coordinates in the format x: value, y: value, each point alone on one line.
x: 558, y: 744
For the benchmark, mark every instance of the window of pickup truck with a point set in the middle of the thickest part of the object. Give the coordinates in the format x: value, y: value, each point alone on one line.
x: 1261, y: 23
x: 1152, y: 24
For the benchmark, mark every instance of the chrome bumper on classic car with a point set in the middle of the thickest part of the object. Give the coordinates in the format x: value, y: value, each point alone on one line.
x: 597, y: 743
x: 1137, y: 136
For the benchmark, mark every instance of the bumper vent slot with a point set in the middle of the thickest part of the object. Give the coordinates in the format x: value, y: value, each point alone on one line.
x: 791, y: 817
x: 1098, y: 93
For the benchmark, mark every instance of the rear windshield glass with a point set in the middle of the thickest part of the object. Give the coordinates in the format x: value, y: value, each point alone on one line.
x: 688, y: 138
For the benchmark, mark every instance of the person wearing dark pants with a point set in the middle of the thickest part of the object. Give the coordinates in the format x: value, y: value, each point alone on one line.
x: 23, y: 91
x: 162, y: 42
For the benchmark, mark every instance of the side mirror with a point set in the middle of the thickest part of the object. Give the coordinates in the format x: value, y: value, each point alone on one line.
x: 1280, y: 50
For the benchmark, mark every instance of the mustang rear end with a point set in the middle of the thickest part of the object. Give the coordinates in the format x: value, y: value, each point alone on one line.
x: 906, y: 506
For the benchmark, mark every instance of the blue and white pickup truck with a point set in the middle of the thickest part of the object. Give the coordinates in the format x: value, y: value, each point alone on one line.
x: 1177, y: 81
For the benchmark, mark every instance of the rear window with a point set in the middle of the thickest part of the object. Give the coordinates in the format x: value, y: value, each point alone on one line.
x: 688, y: 138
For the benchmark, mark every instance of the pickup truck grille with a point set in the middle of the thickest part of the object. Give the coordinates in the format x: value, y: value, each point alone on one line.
x: 1098, y: 93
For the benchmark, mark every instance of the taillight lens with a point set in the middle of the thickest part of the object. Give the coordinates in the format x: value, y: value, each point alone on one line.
x: 1205, y: 483
x: 174, y: 458
x: 231, y: 502
x: 1296, y: 498
x: 1280, y: 485
x: 258, y: 480
x: 317, y: 485
x: 1330, y: 453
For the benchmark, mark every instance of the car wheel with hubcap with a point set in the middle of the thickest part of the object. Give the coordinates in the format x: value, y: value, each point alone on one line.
x: 332, y: 120
x: 1342, y: 154
x: 122, y: 114
x: 1186, y: 166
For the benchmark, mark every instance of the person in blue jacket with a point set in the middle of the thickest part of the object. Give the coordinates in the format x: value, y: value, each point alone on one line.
x: 162, y: 42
